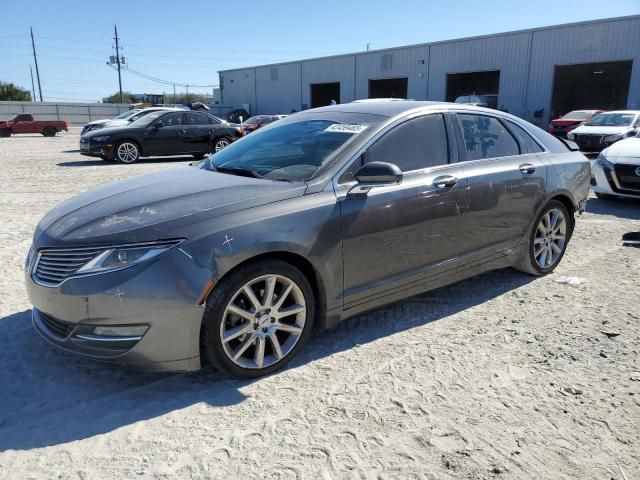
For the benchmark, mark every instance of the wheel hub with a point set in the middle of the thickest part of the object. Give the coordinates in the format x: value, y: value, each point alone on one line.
x: 264, y: 320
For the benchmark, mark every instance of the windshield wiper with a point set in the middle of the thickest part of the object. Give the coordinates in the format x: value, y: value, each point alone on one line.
x: 243, y: 172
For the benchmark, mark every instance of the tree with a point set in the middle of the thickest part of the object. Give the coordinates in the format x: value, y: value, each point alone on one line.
x: 9, y: 91
x: 115, y: 98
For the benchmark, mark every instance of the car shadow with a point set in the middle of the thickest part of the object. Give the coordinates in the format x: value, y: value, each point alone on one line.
x: 618, y: 207
x: 51, y: 397
x: 93, y: 163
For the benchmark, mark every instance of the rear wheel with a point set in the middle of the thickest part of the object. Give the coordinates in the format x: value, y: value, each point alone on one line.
x: 49, y: 132
x: 5, y: 133
x: 221, y: 143
x: 548, y: 240
x: 127, y: 152
x: 257, y: 319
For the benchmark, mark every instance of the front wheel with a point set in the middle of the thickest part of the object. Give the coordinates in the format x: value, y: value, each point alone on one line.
x: 5, y: 133
x: 220, y: 144
x: 548, y: 240
x: 127, y: 152
x: 257, y: 319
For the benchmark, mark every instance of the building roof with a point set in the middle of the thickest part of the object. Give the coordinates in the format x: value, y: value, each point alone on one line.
x: 439, y: 42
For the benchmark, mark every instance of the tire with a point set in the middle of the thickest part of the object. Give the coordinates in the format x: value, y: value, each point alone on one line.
x: 5, y: 133
x: 199, y: 156
x: 49, y: 132
x: 605, y: 196
x: 549, y: 240
x: 126, y: 151
x: 221, y: 143
x: 257, y: 328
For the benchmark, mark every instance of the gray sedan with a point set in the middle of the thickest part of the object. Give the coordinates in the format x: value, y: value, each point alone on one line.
x: 325, y: 214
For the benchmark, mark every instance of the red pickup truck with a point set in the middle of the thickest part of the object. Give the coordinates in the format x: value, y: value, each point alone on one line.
x: 25, y: 123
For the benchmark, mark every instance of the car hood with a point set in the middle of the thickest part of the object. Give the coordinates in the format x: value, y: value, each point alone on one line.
x: 585, y: 129
x: 155, y: 206
x: 565, y: 122
x: 99, y: 122
x: 110, y: 129
x: 623, y: 151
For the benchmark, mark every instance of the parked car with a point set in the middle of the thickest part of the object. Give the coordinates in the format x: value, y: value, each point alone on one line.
x: 26, y: 123
x: 161, y: 133
x: 616, y: 172
x: 605, y: 129
x: 320, y: 216
x: 258, y: 121
x: 123, y: 119
x: 486, y: 100
x: 563, y: 125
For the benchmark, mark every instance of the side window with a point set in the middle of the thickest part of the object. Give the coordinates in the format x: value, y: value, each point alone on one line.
x: 171, y: 119
x: 197, y: 119
x: 414, y: 144
x: 24, y: 118
x: 486, y: 137
x: 527, y: 144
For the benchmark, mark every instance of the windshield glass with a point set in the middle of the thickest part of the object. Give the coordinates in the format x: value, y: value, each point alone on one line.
x: 127, y: 114
x: 577, y: 115
x: 293, y: 150
x: 611, y: 120
x: 147, y: 118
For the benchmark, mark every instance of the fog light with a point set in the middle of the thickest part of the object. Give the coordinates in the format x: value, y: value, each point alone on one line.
x: 125, y: 331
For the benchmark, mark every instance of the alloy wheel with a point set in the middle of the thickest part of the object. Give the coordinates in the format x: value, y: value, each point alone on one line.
x: 263, y: 321
x: 127, y: 152
x: 550, y: 238
x: 221, y: 144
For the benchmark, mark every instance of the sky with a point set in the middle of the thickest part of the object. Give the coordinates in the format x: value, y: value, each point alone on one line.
x: 188, y: 42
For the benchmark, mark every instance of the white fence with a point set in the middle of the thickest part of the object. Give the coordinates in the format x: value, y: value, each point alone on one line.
x: 72, y: 113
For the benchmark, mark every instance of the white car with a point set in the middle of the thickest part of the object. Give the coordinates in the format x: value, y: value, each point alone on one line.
x: 605, y: 129
x: 122, y: 119
x: 616, y: 172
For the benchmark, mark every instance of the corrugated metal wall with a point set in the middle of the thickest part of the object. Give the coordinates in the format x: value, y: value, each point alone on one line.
x: 72, y: 113
x: 526, y: 61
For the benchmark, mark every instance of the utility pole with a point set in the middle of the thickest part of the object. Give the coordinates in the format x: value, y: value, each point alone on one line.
x: 187, y: 93
x: 174, y: 93
x: 35, y: 58
x: 33, y: 87
x: 115, y: 27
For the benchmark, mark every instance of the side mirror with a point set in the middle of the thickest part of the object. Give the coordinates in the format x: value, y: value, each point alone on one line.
x: 158, y: 124
x: 375, y: 174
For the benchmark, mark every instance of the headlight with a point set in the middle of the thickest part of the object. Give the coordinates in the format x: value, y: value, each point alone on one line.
x: 121, y: 257
x: 101, y: 138
x: 571, y: 136
x: 604, y: 163
x: 28, y: 260
x: 613, y: 138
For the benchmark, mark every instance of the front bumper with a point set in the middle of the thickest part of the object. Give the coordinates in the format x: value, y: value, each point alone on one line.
x: 91, y: 149
x: 608, y: 182
x: 162, y: 293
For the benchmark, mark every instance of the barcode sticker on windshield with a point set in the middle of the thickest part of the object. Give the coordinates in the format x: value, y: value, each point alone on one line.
x: 345, y: 128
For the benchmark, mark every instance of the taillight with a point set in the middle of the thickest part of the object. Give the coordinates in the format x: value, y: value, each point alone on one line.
x: 240, y: 131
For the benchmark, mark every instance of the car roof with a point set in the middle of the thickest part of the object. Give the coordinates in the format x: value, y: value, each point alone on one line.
x: 385, y: 107
x: 635, y: 112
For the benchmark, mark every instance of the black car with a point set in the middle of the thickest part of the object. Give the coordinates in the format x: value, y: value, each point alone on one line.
x: 161, y: 134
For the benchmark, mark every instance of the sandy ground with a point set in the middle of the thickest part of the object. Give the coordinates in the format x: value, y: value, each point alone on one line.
x: 502, y: 376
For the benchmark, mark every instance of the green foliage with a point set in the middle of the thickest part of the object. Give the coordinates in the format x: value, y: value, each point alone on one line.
x: 115, y: 98
x: 9, y: 91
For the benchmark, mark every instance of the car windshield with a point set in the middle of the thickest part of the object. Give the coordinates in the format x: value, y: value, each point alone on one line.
x: 294, y: 149
x: 253, y: 121
x: 577, y: 115
x: 611, y: 120
x: 127, y: 114
x: 146, y: 118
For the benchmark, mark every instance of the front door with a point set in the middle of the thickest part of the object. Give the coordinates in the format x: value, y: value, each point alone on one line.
x: 166, y: 136
x: 401, y: 235
x: 24, y: 124
x: 198, y: 132
x: 506, y: 173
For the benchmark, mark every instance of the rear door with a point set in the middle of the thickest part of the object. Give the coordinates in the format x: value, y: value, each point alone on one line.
x: 506, y: 173
x: 24, y: 124
x: 403, y: 234
x: 168, y: 139
x: 199, y: 128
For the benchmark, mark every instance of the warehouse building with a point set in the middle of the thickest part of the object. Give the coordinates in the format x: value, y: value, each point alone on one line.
x: 536, y: 74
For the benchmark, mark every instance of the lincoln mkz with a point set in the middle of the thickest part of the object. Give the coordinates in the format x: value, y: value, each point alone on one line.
x: 237, y: 259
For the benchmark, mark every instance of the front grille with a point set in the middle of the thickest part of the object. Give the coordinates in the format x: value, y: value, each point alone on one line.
x: 56, y: 327
x: 589, y: 141
x: 53, y: 266
x: 627, y: 176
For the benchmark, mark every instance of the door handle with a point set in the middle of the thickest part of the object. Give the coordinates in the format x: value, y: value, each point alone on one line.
x: 527, y: 168
x: 444, y: 182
